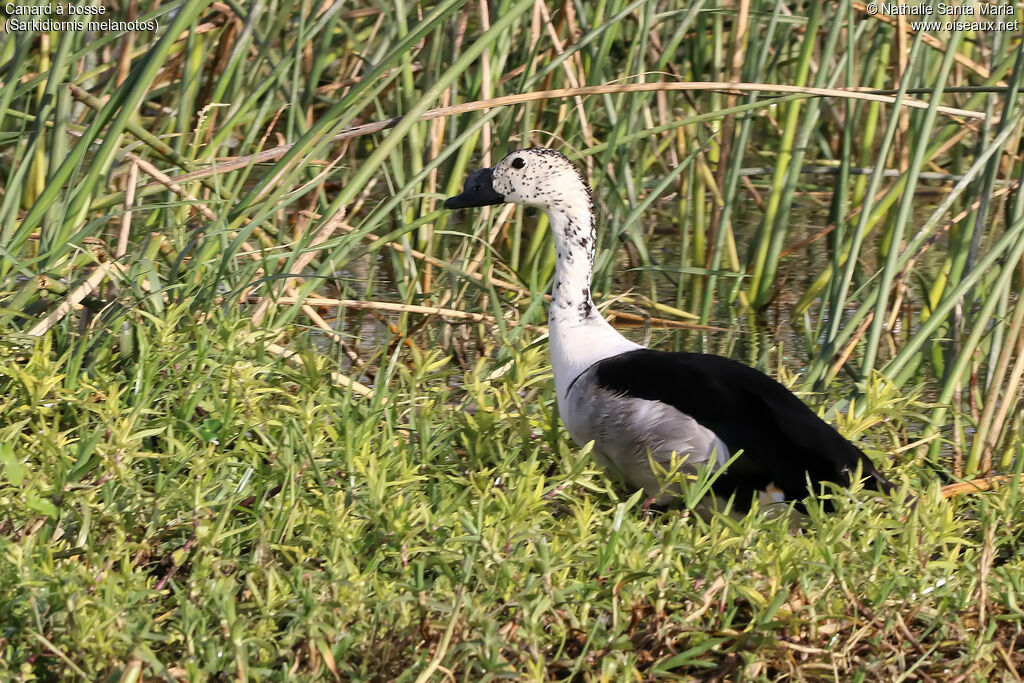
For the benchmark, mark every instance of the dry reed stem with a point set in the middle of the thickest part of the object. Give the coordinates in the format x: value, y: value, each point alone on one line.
x: 588, y: 134
x: 389, y: 306
x: 980, y: 485
x: 485, y: 77
x: 324, y: 326
x: 612, y: 315
x: 126, y: 219
x: 236, y: 163
x: 914, y: 444
x: 171, y: 184
x: 707, y: 599
x: 74, y: 298
x: 851, y: 345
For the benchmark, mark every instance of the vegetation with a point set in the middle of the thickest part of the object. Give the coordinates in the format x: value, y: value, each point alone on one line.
x: 267, y: 411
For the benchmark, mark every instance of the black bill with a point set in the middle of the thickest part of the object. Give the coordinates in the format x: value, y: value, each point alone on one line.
x: 478, y: 191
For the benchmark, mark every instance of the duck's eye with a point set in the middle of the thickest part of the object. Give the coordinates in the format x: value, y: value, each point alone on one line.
x: 518, y: 162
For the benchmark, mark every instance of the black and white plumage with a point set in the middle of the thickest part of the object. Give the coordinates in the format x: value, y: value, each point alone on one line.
x: 639, y: 405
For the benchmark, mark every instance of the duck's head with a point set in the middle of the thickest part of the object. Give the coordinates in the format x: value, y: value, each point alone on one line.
x: 537, y: 176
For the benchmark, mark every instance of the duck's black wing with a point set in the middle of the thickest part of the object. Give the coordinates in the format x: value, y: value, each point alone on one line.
x: 783, y: 441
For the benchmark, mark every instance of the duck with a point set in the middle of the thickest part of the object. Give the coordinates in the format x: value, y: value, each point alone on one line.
x: 649, y: 412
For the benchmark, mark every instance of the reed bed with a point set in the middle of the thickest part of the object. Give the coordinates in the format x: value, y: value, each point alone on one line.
x: 266, y: 410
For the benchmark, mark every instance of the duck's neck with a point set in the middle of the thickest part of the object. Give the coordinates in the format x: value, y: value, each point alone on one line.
x: 579, y: 335
x: 572, y: 225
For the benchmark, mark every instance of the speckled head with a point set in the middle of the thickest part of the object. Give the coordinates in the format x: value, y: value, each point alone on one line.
x: 546, y: 179
x: 538, y: 176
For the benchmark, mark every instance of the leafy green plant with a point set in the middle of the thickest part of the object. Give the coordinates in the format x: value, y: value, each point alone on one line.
x: 266, y: 410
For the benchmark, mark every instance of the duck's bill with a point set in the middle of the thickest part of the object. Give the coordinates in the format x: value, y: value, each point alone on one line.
x: 478, y: 191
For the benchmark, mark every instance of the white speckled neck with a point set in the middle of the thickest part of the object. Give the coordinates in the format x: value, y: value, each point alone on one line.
x: 573, y: 229
x: 579, y: 335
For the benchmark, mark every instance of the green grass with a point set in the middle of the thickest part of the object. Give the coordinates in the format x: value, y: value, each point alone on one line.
x: 281, y: 415
x: 205, y: 511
